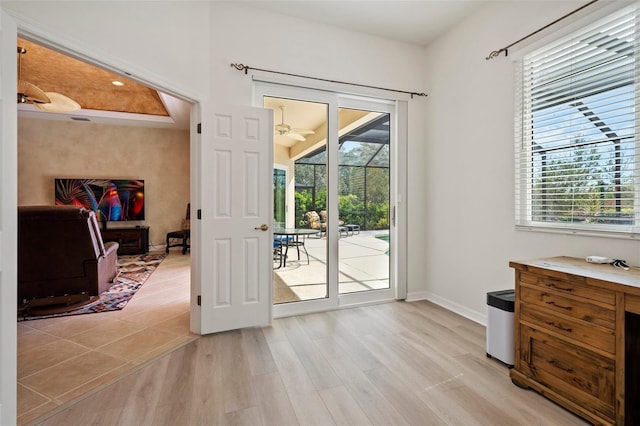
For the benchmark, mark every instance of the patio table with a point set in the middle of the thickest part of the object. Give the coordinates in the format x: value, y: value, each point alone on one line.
x: 292, y: 238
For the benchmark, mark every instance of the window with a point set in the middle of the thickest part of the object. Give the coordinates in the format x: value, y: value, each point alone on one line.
x: 575, y: 146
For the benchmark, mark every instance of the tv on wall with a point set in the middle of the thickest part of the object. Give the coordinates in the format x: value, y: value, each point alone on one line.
x: 113, y: 200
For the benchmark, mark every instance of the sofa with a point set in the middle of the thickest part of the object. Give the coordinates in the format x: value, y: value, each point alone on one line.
x: 62, y: 260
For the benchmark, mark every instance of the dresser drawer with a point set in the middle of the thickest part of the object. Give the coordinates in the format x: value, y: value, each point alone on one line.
x: 575, y: 307
x: 573, y: 287
x: 577, y: 374
x: 581, y: 331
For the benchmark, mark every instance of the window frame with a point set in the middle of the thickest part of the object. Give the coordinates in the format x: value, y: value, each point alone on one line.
x: 524, y: 153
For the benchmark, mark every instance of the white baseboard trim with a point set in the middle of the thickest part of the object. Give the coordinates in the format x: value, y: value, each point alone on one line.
x: 417, y: 295
x: 480, y: 318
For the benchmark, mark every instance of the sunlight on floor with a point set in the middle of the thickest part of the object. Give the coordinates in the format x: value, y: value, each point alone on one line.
x: 364, y: 265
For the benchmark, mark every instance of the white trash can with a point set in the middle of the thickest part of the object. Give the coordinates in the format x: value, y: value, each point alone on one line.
x: 500, y: 326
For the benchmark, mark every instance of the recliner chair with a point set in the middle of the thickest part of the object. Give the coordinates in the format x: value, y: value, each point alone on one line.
x: 62, y: 259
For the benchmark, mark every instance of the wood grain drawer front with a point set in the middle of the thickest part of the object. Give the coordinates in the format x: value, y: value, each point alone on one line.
x: 575, y: 307
x: 575, y: 288
x: 581, y: 376
x: 581, y: 331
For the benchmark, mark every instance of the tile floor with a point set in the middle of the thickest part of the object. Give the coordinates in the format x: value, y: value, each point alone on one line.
x: 61, y: 359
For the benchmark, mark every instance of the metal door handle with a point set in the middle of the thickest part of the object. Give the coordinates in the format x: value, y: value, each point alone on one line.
x: 263, y: 227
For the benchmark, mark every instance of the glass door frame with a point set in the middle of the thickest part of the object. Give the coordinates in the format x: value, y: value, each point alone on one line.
x: 389, y: 107
x: 334, y: 102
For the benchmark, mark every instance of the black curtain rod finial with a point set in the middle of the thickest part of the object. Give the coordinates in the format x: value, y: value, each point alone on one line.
x: 241, y: 67
x: 497, y: 53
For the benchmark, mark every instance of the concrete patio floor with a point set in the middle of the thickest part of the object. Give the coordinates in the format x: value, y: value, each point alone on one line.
x: 363, y: 265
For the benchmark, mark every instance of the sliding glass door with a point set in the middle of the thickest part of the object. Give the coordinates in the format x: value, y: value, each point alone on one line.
x: 333, y: 210
x: 364, y: 163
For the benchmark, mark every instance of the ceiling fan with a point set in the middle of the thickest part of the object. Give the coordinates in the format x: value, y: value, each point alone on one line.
x: 46, y: 101
x: 284, y: 129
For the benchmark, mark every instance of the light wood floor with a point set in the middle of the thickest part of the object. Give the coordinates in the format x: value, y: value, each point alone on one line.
x: 63, y: 359
x: 394, y: 364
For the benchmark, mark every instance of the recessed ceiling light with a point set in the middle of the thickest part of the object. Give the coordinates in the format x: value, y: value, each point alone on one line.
x: 117, y: 83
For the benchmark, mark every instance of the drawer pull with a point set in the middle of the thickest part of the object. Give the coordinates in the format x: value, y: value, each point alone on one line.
x: 552, y: 303
x: 559, y: 326
x: 554, y: 285
x: 561, y: 367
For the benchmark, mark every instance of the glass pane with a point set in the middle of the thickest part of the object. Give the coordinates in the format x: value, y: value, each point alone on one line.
x: 279, y: 197
x: 299, y: 246
x: 363, y: 201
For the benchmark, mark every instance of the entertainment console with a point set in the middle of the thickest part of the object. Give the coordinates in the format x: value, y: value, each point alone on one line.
x: 577, y: 336
x: 131, y: 240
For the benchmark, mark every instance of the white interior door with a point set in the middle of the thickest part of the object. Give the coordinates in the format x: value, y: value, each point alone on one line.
x: 236, y: 216
x: 8, y: 219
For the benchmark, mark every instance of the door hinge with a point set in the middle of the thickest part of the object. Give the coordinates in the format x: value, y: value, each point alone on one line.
x: 199, y: 300
x: 199, y: 128
x: 199, y: 214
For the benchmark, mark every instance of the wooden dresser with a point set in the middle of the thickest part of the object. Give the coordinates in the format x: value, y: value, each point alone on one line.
x: 575, y: 325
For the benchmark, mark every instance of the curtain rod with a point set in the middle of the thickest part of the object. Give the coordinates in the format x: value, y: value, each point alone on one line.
x: 505, y: 49
x: 246, y: 68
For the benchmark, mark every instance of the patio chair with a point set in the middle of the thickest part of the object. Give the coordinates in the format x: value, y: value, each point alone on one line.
x: 313, y: 218
x: 277, y: 253
x: 341, y: 228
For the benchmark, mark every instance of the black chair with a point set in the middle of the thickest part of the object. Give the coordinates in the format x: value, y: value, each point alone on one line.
x: 181, y: 238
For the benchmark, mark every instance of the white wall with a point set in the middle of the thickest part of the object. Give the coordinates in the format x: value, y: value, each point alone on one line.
x: 470, y: 235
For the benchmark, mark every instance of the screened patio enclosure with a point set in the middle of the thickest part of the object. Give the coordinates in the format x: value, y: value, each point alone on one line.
x: 363, y: 177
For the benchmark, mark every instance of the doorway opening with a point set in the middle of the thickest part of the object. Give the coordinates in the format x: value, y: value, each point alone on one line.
x: 105, y: 144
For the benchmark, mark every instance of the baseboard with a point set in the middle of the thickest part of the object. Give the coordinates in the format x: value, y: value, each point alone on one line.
x: 480, y: 318
x: 417, y: 295
x: 157, y: 247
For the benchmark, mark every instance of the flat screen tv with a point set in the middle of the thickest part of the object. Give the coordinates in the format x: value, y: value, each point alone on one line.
x: 113, y: 200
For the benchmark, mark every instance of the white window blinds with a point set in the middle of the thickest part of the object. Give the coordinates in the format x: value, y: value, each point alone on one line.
x: 576, y: 125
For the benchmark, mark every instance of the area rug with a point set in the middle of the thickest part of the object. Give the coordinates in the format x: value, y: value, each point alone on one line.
x: 133, y: 271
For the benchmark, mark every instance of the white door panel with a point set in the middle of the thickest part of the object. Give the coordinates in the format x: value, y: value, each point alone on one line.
x: 236, y: 158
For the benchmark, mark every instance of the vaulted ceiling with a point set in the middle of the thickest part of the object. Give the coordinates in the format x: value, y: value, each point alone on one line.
x: 93, y: 88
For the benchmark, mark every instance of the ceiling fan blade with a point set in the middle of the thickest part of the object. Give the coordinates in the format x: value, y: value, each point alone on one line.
x: 303, y: 131
x: 59, y: 103
x: 29, y: 93
x: 296, y: 136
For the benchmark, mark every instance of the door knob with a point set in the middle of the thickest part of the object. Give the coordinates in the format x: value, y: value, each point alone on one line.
x: 263, y: 227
